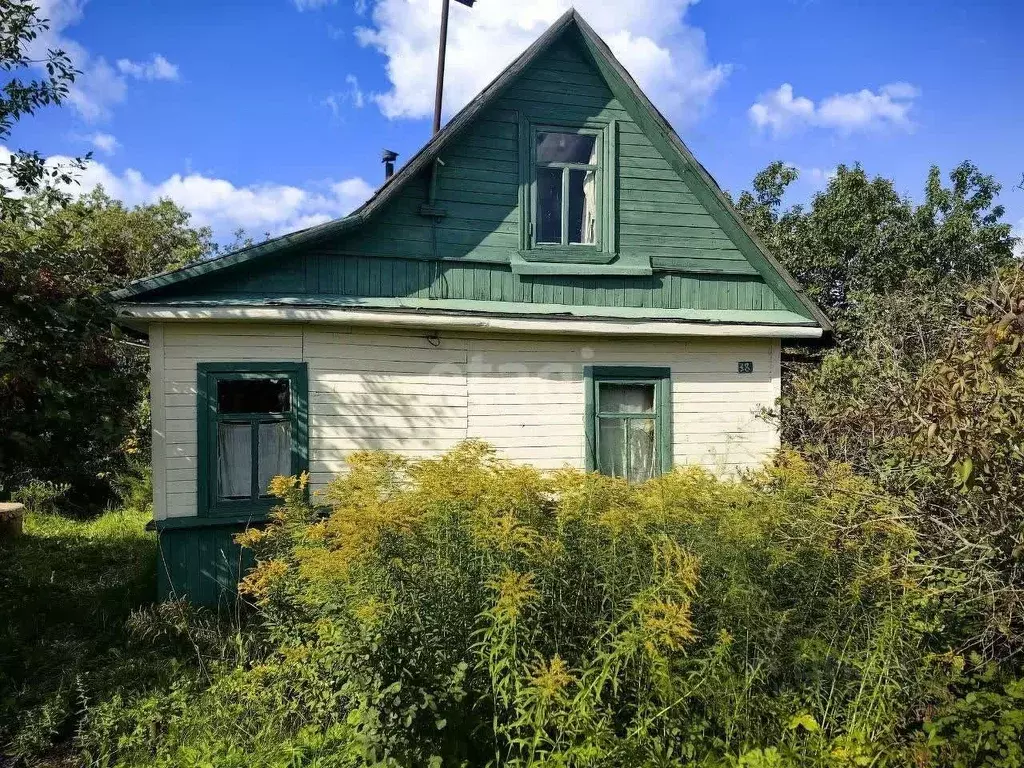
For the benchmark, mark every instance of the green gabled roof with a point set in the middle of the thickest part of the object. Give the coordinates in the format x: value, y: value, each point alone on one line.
x: 420, y: 161
x: 624, y: 88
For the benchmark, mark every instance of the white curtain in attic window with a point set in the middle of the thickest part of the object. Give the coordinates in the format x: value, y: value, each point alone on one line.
x: 589, y: 229
x: 590, y: 201
x: 589, y: 208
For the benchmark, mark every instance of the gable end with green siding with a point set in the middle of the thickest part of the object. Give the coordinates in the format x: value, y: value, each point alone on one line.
x: 557, y: 217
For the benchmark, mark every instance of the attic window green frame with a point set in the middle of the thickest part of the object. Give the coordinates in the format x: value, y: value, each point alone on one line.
x: 598, y: 414
x: 604, y: 249
x: 210, y: 419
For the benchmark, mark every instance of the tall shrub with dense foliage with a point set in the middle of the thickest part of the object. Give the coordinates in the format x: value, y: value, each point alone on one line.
x: 922, y: 388
x: 72, y: 388
x: 70, y: 392
x: 930, y: 403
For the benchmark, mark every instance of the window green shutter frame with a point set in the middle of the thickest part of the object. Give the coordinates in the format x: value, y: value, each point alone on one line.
x: 606, y: 249
x: 610, y: 211
x: 207, y: 375
x: 662, y: 377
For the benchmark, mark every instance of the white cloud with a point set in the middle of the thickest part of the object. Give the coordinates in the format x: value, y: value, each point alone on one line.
x: 312, y: 5
x: 779, y: 109
x: 781, y: 112
x: 355, y: 93
x: 222, y: 205
x: 100, y: 85
x: 816, y: 177
x: 97, y: 89
x: 354, y: 96
x: 104, y: 142
x: 333, y: 102
x: 157, y: 68
x: 667, y: 56
x: 354, y: 188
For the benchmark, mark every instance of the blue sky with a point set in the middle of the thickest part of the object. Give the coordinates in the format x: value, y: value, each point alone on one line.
x: 271, y: 114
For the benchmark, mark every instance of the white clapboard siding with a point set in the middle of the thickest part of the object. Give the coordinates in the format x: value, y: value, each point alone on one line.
x: 547, y: 375
x: 162, y: 459
x: 418, y: 394
x: 185, y: 345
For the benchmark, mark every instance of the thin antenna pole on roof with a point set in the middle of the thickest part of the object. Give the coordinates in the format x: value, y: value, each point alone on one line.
x: 439, y: 93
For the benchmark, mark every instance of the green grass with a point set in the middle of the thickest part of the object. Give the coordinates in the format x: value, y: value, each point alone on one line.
x: 67, y: 589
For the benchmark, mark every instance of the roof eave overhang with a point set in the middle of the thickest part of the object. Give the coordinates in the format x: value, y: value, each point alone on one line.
x: 140, y: 316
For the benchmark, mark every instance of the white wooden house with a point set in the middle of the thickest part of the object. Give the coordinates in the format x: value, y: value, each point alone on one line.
x: 553, y: 272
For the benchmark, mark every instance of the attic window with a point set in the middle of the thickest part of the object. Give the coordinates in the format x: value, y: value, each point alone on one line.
x: 567, y: 169
x: 565, y: 192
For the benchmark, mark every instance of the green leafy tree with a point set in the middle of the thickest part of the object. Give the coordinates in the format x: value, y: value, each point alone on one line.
x: 860, y: 237
x: 26, y: 171
x: 929, y: 401
x: 71, y: 387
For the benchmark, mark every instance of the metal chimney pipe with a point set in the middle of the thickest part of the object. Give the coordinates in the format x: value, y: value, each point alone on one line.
x: 388, y: 157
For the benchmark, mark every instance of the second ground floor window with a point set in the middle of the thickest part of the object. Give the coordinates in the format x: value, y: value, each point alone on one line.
x: 251, y: 426
x: 628, y: 421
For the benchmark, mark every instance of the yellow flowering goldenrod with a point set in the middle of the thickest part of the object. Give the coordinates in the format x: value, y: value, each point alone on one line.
x: 283, y: 486
x: 551, y: 679
x: 505, y: 533
x: 371, y: 612
x: 666, y: 626
x: 262, y: 579
x: 567, y: 598
x: 250, y: 537
x: 514, y: 592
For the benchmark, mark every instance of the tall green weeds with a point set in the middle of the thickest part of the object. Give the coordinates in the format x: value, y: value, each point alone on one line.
x: 466, y: 611
x: 67, y: 588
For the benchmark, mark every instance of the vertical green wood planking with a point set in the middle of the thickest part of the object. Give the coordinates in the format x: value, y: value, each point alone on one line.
x: 366, y: 277
x: 478, y: 185
x: 203, y: 565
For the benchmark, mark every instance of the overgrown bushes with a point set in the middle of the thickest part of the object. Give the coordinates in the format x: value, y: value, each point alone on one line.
x: 73, y: 407
x: 922, y: 387
x: 464, y: 611
x: 928, y: 400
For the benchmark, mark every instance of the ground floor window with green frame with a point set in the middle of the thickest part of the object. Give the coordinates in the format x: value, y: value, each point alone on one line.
x: 252, y: 426
x: 628, y: 421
